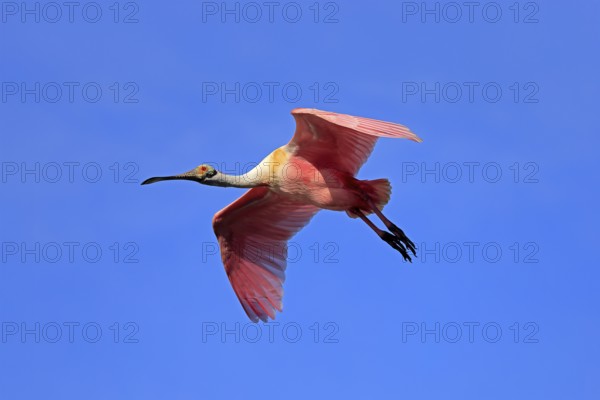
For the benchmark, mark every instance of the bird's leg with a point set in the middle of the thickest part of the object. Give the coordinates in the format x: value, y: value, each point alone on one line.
x: 390, y: 239
x: 394, y: 229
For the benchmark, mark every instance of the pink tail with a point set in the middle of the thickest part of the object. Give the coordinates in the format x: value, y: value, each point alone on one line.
x: 378, y: 190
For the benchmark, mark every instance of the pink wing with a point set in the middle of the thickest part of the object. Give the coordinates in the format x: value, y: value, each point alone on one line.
x: 340, y: 141
x: 252, y: 233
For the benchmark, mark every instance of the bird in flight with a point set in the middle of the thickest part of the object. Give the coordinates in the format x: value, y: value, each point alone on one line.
x: 315, y: 170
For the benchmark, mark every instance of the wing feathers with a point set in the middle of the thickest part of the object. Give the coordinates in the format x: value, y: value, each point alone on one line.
x: 340, y: 141
x: 253, y: 232
x: 363, y: 125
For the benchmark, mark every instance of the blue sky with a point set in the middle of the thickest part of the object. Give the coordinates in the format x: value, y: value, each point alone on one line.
x: 109, y: 289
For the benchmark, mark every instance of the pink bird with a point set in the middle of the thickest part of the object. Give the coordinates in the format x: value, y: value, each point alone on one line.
x: 315, y: 170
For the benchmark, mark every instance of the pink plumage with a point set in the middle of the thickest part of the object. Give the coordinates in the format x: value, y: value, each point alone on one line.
x: 315, y: 170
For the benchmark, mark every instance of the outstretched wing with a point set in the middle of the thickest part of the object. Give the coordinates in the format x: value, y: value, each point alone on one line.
x: 253, y: 232
x: 342, y: 141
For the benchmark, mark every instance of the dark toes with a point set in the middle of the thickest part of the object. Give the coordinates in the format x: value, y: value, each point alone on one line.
x: 403, y: 238
x: 396, y: 243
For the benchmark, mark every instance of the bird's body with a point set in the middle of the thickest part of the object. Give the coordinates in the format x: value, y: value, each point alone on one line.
x: 315, y: 170
x: 299, y: 179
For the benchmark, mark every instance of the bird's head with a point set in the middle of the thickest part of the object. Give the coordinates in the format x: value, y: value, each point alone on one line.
x: 203, y: 173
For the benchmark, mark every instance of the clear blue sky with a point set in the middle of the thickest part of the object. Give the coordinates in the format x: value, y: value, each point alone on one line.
x: 113, y: 290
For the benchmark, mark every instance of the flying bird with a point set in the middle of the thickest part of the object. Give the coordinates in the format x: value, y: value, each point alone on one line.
x: 315, y: 170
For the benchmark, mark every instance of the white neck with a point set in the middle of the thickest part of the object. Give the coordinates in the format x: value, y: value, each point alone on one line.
x: 250, y: 179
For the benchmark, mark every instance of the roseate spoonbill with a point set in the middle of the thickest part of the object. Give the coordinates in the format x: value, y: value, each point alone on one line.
x: 315, y: 170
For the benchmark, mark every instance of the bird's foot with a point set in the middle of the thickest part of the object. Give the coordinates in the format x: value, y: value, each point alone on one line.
x: 403, y: 238
x: 396, y: 243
